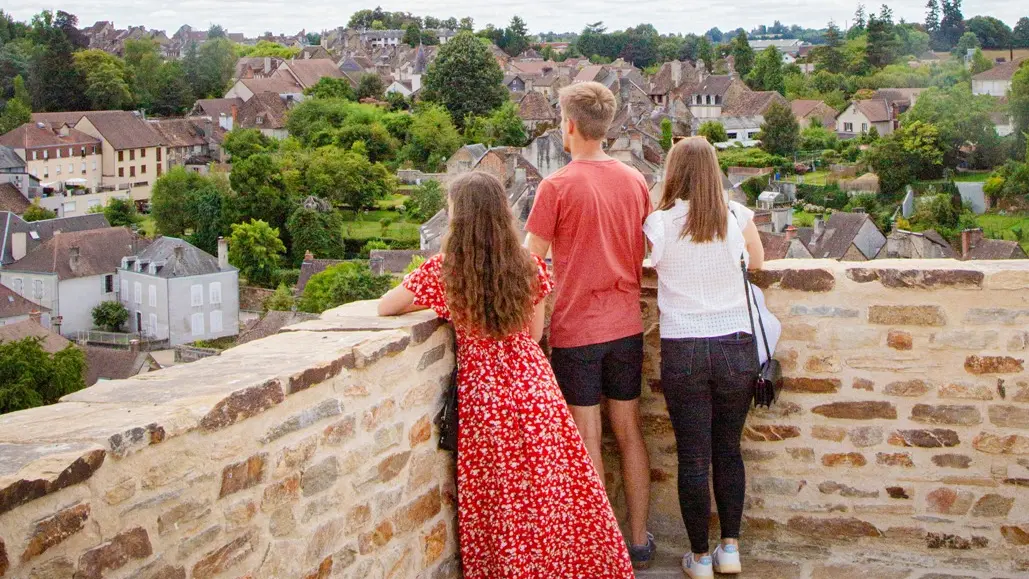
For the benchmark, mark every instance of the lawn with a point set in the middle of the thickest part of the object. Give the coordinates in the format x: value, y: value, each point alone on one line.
x: 813, y: 178
x: 368, y: 229
x: 147, y: 226
x: 1010, y: 227
x: 976, y: 177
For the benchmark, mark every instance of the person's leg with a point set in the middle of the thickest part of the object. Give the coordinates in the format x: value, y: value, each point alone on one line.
x: 622, y: 381
x: 734, y: 365
x: 684, y: 381
x: 578, y: 373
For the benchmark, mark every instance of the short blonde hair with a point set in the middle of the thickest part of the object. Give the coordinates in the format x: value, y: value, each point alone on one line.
x: 591, y: 105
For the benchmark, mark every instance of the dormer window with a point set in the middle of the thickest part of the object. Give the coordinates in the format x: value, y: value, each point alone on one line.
x: 260, y: 119
x: 125, y: 263
x: 718, y: 99
x: 708, y: 99
x: 152, y: 270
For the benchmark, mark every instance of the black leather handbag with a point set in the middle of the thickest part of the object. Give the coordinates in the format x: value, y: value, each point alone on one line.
x: 768, y: 382
x: 446, y: 420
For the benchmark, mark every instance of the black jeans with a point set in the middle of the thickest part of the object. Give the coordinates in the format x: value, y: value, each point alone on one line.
x: 709, y: 384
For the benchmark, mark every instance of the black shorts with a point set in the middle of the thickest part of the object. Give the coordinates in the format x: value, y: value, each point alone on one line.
x: 612, y: 369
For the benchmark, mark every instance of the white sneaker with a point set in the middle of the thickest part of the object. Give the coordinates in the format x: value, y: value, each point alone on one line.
x: 695, y: 570
x: 726, y: 559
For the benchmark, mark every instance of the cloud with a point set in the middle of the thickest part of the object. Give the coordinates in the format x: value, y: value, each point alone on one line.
x: 254, y: 18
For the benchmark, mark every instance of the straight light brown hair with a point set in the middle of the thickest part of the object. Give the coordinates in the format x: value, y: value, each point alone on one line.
x: 490, y: 279
x: 692, y: 174
x: 591, y: 105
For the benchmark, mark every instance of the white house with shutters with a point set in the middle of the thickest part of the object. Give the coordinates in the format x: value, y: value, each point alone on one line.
x: 177, y: 292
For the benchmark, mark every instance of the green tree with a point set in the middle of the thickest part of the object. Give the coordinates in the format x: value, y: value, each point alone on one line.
x: 952, y: 24
x: 280, y: 301
x: 706, y: 53
x: 1020, y: 35
x: 255, y: 248
x: 259, y: 191
x: 912, y: 152
x: 503, y: 128
x: 666, y: 134
x: 959, y: 117
x: 932, y: 17
x: 432, y: 138
x: 106, y: 88
x: 207, y: 212
x: 713, y: 131
x: 54, y: 81
x: 767, y: 73
x: 743, y: 54
x: 110, y: 316
x: 31, y: 377
x: 209, y: 67
x: 171, y: 200
x: 1018, y: 104
x: 341, y: 284
x: 143, y: 71
x: 37, y: 213
x: 968, y: 41
x: 881, y: 41
x: 348, y: 178
x: 331, y: 88
x: 980, y: 63
x: 371, y: 87
x: 317, y: 232
x: 780, y: 133
x: 465, y: 79
x: 121, y: 212
x: 516, y: 37
x: 426, y: 200
x: 991, y: 32
x: 174, y: 95
x: 15, y: 114
x: 242, y: 144
x: 413, y: 35
x: 818, y: 138
x: 21, y: 92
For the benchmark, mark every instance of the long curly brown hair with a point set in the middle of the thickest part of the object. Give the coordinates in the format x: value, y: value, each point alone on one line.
x: 490, y: 278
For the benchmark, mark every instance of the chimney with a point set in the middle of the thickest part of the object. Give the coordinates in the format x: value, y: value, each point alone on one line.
x: 55, y: 324
x: 178, y: 252
x: 225, y: 121
x: 73, y: 258
x: 36, y: 317
x: 223, y: 254
x: 267, y: 65
x: 819, y: 227
x: 235, y: 113
x: 676, y: 73
x: 636, y: 144
x: 208, y: 129
x: 308, y: 256
x: 969, y: 239
x: 134, y: 346
x: 791, y: 232
x: 19, y: 243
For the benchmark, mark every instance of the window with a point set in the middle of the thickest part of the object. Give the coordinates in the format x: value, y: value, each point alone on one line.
x: 71, y: 152
x: 153, y: 325
x: 109, y: 283
x: 196, y: 294
x: 158, y: 170
x: 92, y: 204
x: 46, y: 154
x: 34, y: 155
x: 71, y: 168
x: 718, y: 99
x: 125, y: 290
x: 864, y: 127
x: 138, y: 291
x: 215, y: 292
x: 19, y: 286
x: 37, y: 289
x: 121, y: 171
x: 69, y: 207
x: 848, y: 127
x: 94, y: 165
x: 58, y: 169
x: 153, y: 296
x: 132, y: 171
x: 216, y: 321
x: 142, y: 153
x: 142, y: 170
x: 121, y: 156
x: 132, y: 154
x: 197, y: 324
x: 83, y: 168
x: 58, y: 153
x: 732, y: 136
x: 82, y: 151
x: 158, y: 154
x: 707, y: 99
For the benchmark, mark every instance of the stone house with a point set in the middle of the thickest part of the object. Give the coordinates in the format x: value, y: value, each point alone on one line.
x: 19, y: 237
x: 71, y: 273
x: 807, y: 111
x: 177, y: 292
x: 465, y: 158
x: 975, y: 246
x: 927, y: 244
x: 265, y: 112
x: 194, y: 142
x: 536, y: 111
x: 547, y: 153
x: 846, y: 237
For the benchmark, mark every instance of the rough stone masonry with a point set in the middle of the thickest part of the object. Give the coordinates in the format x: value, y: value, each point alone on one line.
x: 901, y: 439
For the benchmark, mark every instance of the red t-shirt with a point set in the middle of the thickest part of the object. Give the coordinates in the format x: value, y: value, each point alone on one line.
x: 592, y: 213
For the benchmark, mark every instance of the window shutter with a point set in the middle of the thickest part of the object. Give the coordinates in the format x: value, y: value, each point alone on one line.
x: 197, y: 324
x: 216, y: 321
x: 216, y: 292
x: 138, y: 290
x: 196, y: 295
x: 153, y: 296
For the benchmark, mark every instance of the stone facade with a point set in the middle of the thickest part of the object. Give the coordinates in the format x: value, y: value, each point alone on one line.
x: 307, y: 454
x: 902, y: 432
x: 901, y: 439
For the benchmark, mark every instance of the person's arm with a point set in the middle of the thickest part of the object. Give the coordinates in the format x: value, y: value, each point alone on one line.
x: 539, y: 318
x: 755, y: 250
x: 537, y: 245
x: 397, y: 301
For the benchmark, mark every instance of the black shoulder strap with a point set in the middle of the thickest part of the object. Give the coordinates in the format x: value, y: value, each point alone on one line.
x: 751, y: 297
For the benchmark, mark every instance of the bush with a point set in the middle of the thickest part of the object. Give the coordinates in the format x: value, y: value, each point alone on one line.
x: 286, y: 276
x: 373, y: 244
x: 280, y: 301
x: 341, y: 284
x: 426, y: 200
x: 37, y: 213
x: 110, y: 316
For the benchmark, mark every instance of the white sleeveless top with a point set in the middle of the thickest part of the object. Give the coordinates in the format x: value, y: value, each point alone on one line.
x: 700, y: 286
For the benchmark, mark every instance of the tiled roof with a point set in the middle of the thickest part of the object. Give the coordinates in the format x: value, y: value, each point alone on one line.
x: 802, y: 107
x: 876, y: 110
x: 10, y: 160
x: 38, y: 232
x: 776, y: 245
x: 214, y: 108
x: 268, y: 108
x: 840, y: 232
x: 12, y: 200
x: 589, y: 74
x: 279, y: 83
x: 1003, y: 71
x: 313, y: 267
x: 752, y: 103
x: 51, y: 341
x: 996, y: 249
x: 58, y: 119
x: 122, y: 129
x: 32, y: 136
x: 180, y: 132
x: 114, y: 364
x: 178, y: 258
x: 898, y: 95
x: 536, y: 107
x: 386, y: 261
x: 308, y: 72
x: 13, y: 305
x: 271, y: 324
x: 100, y: 251
x: 533, y: 67
x: 714, y: 85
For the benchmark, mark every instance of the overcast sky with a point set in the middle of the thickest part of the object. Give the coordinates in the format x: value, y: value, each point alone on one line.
x: 256, y: 17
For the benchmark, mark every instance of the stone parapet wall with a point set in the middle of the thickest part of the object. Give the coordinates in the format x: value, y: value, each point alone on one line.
x: 903, y: 428
x: 309, y: 454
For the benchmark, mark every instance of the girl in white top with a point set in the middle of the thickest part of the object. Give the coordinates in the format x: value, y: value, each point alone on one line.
x: 708, y: 357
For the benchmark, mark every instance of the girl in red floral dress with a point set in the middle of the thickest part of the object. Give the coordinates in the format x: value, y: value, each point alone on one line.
x: 530, y: 502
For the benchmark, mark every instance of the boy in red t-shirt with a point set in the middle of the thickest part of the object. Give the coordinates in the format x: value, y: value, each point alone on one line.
x: 590, y: 216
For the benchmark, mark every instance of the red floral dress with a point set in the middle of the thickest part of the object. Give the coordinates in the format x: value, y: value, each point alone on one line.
x: 530, y: 502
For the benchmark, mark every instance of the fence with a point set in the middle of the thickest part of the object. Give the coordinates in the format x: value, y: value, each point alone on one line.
x: 116, y: 339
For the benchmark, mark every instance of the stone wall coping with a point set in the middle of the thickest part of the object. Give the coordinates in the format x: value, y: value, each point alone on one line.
x: 48, y: 448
